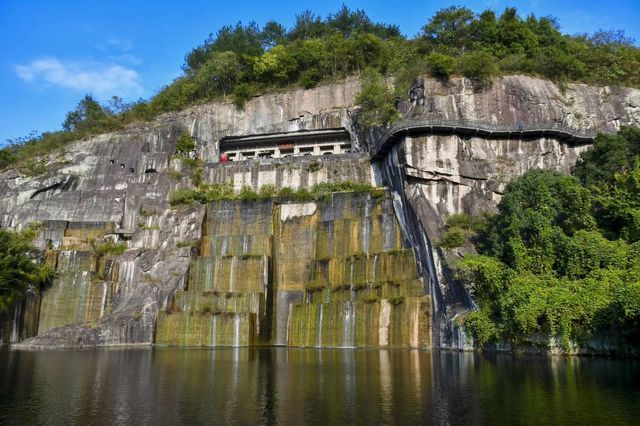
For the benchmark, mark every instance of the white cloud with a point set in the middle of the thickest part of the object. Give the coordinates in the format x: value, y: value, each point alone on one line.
x: 126, y: 58
x: 101, y: 79
x: 116, y: 44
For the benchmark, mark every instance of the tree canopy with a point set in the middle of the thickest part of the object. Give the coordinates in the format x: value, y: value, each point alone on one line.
x: 18, y: 267
x: 244, y: 59
x: 562, y: 256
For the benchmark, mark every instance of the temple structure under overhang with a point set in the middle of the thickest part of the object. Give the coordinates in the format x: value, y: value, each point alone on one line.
x: 279, y: 145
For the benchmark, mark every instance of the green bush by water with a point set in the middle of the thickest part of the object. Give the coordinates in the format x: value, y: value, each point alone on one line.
x: 562, y: 255
x: 18, y: 266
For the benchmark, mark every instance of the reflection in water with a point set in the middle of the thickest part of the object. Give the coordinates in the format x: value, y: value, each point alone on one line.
x: 298, y: 386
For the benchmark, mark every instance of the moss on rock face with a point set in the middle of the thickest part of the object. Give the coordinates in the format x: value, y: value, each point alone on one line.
x: 358, y: 266
x: 368, y: 323
x: 340, y: 262
x: 330, y: 273
x: 225, y: 299
x: 74, y: 298
x: 205, y: 329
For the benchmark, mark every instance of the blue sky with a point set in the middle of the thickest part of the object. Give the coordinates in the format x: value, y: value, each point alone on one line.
x: 53, y: 52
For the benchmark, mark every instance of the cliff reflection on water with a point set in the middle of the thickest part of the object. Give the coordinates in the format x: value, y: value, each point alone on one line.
x: 296, y: 386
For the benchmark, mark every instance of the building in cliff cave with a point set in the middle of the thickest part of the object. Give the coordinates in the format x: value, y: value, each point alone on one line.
x: 288, y: 144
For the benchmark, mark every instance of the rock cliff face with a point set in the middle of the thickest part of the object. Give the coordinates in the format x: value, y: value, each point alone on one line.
x: 333, y: 273
x: 113, y: 189
x: 455, y: 173
x: 131, y: 267
x: 521, y: 99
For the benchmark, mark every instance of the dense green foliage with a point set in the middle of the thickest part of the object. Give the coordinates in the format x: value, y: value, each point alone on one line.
x: 18, y: 269
x: 89, y: 116
x: 185, y: 145
x: 243, y: 60
x: 376, y: 99
x: 562, y: 256
x: 459, y: 228
x: 612, y: 170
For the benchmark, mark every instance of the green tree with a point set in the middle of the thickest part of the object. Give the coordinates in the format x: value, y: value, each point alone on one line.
x: 312, y: 57
x: 375, y: 99
x: 441, y: 65
x: 175, y: 96
x: 219, y: 74
x: 558, y: 64
x: 536, y: 210
x: 308, y: 25
x: 479, y: 66
x: 18, y: 267
x: 546, y: 269
x: 349, y: 23
x: 448, y: 29
x: 617, y: 210
x: 277, y: 66
x: 515, y: 35
x: 367, y: 50
x: 246, y: 41
x: 484, y: 33
x: 89, y: 117
x: 272, y: 34
x: 609, y: 155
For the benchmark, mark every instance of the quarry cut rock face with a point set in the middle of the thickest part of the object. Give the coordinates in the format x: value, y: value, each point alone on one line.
x: 349, y: 270
x: 522, y: 99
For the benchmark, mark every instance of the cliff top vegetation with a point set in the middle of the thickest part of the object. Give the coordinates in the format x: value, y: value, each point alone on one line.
x: 240, y: 61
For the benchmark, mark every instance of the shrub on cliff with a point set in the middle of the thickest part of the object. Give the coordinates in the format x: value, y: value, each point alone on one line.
x: 479, y: 66
x: 224, y: 192
x: 241, y: 94
x: 441, y: 65
x: 453, y: 237
x: 460, y: 228
x: 18, y: 267
x: 375, y: 99
x: 185, y: 145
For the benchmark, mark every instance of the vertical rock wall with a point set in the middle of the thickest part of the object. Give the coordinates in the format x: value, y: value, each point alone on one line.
x: 224, y: 301
x: 330, y: 274
x: 324, y: 264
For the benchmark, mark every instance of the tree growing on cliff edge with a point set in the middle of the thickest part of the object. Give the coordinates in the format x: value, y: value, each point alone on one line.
x: 242, y: 60
x: 219, y: 74
x: 18, y: 267
x: 90, y: 117
x: 375, y: 99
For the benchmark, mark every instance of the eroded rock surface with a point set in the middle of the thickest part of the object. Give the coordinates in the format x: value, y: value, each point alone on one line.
x: 114, y: 188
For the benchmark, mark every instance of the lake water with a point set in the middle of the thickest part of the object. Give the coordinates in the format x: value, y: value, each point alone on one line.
x: 307, y: 386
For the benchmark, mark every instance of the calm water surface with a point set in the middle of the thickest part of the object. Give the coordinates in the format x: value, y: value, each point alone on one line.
x: 298, y: 386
